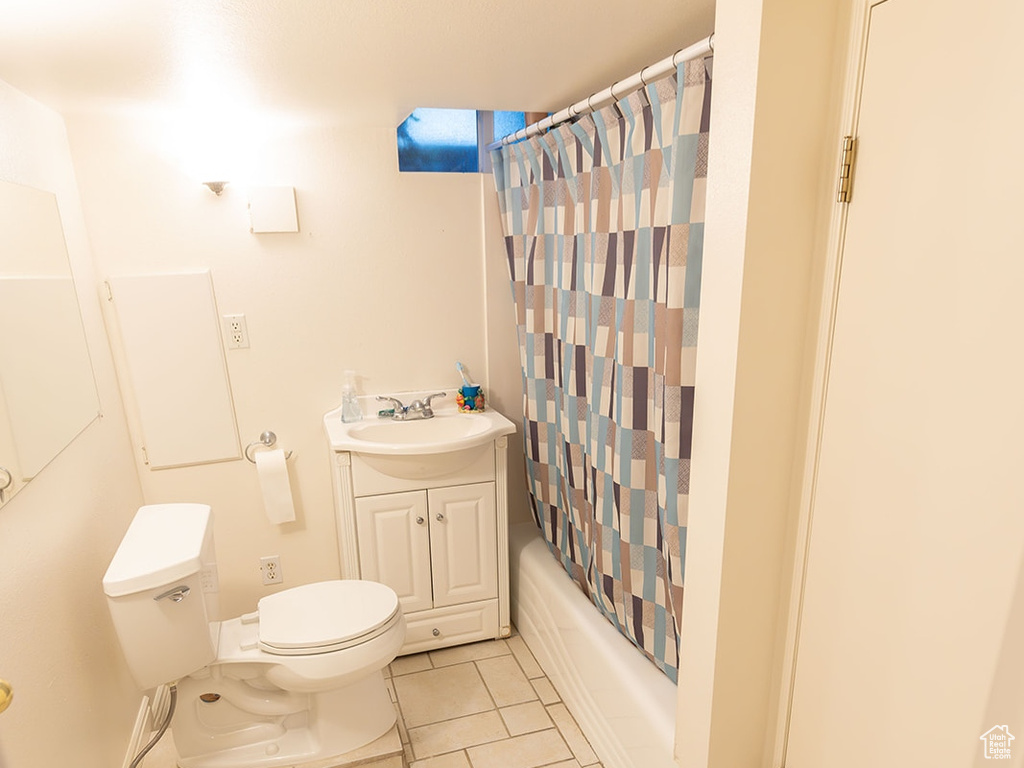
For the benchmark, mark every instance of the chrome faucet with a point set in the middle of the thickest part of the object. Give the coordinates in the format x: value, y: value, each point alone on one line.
x: 417, y: 409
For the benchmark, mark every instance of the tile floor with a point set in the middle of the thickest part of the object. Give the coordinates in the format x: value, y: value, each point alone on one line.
x: 485, y: 705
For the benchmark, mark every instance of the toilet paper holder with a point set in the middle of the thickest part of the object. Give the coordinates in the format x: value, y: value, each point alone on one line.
x: 267, y: 440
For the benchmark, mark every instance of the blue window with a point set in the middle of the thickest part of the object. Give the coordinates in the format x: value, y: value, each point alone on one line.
x: 452, y: 140
x: 508, y: 122
x: 439, y: 140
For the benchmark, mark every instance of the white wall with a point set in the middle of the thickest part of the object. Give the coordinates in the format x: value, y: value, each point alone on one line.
x: 769, y: 186
x: 386, y: 277
x: 73, y: 699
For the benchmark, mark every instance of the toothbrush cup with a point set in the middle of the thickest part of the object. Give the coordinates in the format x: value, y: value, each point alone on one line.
x: 470, y: 399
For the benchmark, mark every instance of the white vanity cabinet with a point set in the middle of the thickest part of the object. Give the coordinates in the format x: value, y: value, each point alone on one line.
x: 435, y: 529
x: 435, y: 548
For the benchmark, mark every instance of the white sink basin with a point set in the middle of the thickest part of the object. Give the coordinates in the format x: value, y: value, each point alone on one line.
x: 440, y: 430
x: 449, y: 430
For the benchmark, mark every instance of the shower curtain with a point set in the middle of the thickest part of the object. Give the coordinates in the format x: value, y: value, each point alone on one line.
x: 603, y: 223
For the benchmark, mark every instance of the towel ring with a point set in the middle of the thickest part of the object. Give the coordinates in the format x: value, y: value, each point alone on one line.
x: 267, y: 440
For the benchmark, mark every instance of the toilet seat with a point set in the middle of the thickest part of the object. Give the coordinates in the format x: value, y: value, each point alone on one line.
x: 325, y: 616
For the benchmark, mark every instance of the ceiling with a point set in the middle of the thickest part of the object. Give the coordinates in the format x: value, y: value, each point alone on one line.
x: 334, y: 57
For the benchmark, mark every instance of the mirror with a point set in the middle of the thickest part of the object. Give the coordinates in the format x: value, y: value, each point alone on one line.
x: 47, y: 390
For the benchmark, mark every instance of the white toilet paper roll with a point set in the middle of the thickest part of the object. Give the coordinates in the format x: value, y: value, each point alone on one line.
x: 277, y: 490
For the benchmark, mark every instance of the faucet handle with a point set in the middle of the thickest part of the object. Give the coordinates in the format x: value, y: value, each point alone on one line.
x: 426, y: 402
x: 399, y: 408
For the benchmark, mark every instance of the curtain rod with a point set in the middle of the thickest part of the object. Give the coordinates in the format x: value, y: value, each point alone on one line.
x: 614, y: 92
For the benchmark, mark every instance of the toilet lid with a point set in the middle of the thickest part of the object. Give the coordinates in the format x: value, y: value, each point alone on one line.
x: 325, y: 616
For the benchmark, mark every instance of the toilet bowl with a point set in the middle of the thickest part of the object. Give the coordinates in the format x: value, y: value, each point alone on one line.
x: 298, y: 680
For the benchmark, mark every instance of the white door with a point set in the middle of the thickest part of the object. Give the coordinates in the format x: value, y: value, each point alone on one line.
x: 394, y: 545
x: 463, y: 543
x: 911, y: 643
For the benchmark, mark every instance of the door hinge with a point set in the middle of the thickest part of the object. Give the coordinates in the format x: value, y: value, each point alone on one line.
x: 846, y: 169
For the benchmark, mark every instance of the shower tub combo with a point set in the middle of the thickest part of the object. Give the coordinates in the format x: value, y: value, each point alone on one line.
x: 607, y: 337
x: 625, y: 706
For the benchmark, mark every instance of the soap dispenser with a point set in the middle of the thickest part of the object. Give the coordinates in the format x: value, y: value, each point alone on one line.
x: 350, y: 410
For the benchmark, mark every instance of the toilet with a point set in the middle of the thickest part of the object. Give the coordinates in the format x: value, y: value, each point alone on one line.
x: 299, y: 680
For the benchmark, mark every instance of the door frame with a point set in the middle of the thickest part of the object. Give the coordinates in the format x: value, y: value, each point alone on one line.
x: 852, y: 85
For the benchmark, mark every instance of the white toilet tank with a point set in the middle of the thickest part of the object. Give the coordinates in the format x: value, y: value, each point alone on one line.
x: 161, y: 587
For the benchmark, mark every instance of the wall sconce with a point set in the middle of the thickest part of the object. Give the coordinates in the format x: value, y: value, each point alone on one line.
x: 216, y: 186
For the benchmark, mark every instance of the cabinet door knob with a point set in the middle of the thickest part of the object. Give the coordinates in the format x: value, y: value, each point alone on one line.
x: 440, y: 517
x: 419, y: 521
x: 436, y: 632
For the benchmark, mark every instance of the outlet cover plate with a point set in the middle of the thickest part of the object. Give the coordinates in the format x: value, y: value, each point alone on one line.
x: 236, y: 334
x: 270, y: 567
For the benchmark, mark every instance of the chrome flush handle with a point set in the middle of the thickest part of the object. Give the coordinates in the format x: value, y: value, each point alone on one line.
x: 175, y: 594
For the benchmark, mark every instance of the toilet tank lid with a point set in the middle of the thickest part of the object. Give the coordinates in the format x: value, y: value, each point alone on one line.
x: 163, y: 544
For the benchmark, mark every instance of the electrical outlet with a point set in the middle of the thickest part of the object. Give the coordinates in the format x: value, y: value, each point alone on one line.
x: 271, y: 569
x: 235, y: 332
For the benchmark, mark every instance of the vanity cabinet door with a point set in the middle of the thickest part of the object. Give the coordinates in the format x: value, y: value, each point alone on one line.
x: 463, y: 543
x: 394, y: 545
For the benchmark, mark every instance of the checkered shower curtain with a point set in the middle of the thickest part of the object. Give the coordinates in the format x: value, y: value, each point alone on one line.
x: 603, y: 222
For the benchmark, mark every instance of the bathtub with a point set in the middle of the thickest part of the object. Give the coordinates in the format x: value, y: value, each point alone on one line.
x: 624, y: 704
